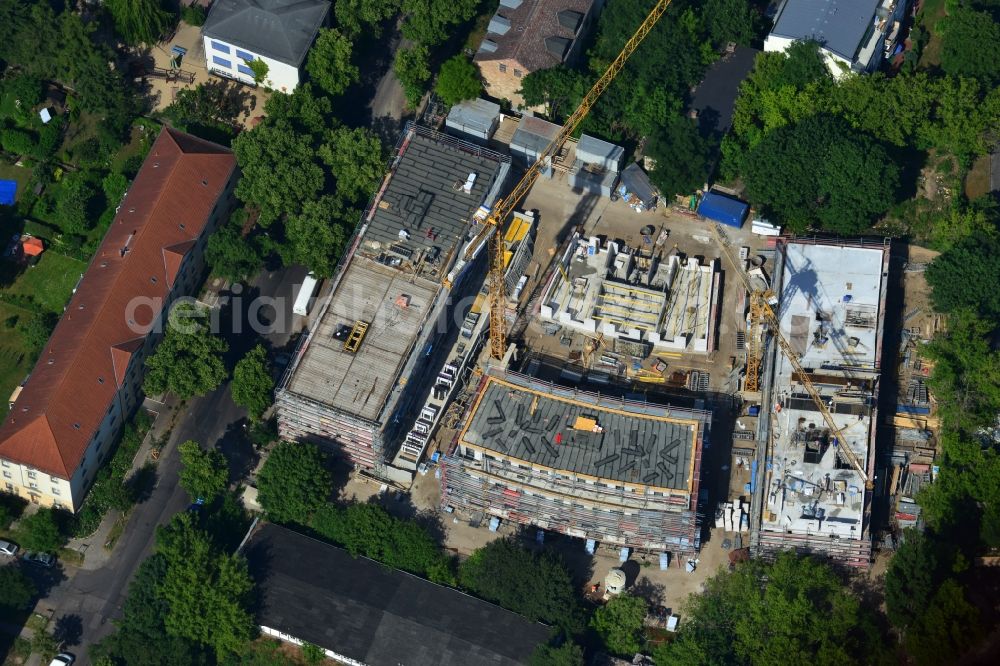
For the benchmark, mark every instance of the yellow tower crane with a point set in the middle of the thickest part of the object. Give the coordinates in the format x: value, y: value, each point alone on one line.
x: 506, y: 205
x: 762, y: 303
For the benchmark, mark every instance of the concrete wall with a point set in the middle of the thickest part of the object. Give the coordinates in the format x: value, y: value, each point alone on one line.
x: 280, y: 76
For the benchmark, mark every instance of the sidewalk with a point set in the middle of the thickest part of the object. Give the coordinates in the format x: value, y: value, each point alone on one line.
x: 95, y: 555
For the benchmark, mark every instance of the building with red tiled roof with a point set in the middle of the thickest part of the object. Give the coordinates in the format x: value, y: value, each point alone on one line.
x: 525, y: 36
x: 88, y: 379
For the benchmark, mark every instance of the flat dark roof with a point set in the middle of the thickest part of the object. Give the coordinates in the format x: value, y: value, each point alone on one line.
x: 368, y: 612
x: 640, y: 443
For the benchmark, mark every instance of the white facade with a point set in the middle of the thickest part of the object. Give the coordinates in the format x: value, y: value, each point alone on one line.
x: 231, y: 61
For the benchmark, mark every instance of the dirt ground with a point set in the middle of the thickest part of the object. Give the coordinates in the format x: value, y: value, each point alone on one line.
x: 559, y: 210
x: 918, y: 314
x: 164, y: 92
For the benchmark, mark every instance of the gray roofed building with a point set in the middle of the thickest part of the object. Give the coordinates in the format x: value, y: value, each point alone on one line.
x: 854, y: 35
x: 474, y: 119
x: 594, y: 151
x: 533, y: 136
x: 636, y: 187
x: 279, y: 29
x: 357, y: 609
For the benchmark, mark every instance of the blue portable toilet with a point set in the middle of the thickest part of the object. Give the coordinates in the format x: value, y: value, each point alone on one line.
x: 720, y: 208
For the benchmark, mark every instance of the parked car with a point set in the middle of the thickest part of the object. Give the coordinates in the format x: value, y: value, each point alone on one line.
x: 41, y: 559
x: 62, y: 659
x: 9, y: 549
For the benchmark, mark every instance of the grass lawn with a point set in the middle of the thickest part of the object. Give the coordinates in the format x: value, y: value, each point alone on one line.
x: 931, y: 12
x: 50, y: 282
x: 15, y: 363
x: 21, y: 174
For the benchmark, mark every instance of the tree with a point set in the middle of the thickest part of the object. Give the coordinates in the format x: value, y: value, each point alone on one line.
x: 207, y: 592
x: 260, y: 70
x: 835, y: 178
x: 369, y: 530
x: 44, y: 644
x: 232, y: 256
x: 114, y: 185
x: 211, y: 109
x: 329, y: 64
x: 278, y: 169
x: 140, y: 21
x: 536, y: 585
x: 73, y: 200
x: 357, y: 160
x: 792, y: 611
x: 40, y: 531
x: 36, y: 331
x: 429, y: 22
x: 16, y: 589
x: 567, y: 654
x: 458, y: 80
x: 413, y: 71
x: 967, y: 276
x: 963, y: 31
x: 293, y: 483
x: 204, y: 474
x: 141, y: 638
x: 194, y: 15
x: 252, y: 386
x: 355, y: 16
x: 560, y: 89
x: 188, y: 361
x: 317, y: 235
x: 948, y: 627
x: 619, y: 624
x: 683, y: 157
x: 914, y: 573
x: 725, y: 21
x: 313, y: 654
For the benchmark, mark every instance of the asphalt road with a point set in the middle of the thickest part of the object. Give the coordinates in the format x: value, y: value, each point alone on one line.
x: 92, y: 599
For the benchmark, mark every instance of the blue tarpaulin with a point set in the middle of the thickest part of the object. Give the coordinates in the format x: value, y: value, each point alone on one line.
x: 726, y: 210
x: 8, y: 190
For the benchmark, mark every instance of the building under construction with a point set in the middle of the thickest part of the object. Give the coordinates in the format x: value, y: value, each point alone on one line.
x: 347, y: 385
x: 831, y: 305
x: 596, y: 467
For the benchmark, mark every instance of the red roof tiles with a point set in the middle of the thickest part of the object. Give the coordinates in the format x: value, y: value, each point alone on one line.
x: 78, y: 373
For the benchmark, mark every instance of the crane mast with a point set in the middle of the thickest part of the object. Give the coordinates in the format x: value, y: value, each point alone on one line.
x: 506, y: 205
x: 764, y: 311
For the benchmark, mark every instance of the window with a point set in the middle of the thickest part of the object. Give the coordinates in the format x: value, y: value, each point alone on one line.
x: 54, y: 479
x: 10, y: 487
x: 33, y: 486
x: 517, y: 73
x: 222, y: 62
x: 4, y: 463
x: 503, y: 67
x: 31, y: 475
x: 219, y: 46
x: 7, y: 475
x: 55, y: 491
x: 243, y: 55
x: 246, y: 71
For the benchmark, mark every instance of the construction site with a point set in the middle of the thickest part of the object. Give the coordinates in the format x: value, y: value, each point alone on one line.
x: 349, y: 380
x: 616, y: 471
x: 832, y: 304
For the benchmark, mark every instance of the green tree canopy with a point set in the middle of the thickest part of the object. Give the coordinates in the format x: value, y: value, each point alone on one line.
x: 210, y: 110
x: 968, y: 276
x: 232, y: 256
x: 458, y: 80
x: 16, y: 589
x: 619, y: 624
x: 357, y: 16
x: 413, y: 71
x: 188, y: 360
x: 430, y: 22
x: 207, y: 592
x: 536, y: 585
x: 963, y: 33
x: 73, y: 203
x: 795, y: 610
x: 834, y: 178
x: 369, y: 530
x: 40, y: 531
x: 315, y: 237
x: 725, y: 21
x: 949, y: 626
x: 252, y: 385
x: 329, y: 64
x: 357, y: 160
x: 293, y: 483
x: 140, y: 21
x: 567, y: 654
x: 683, y: 157
x: 204, y: 474
x: 560, y: 89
